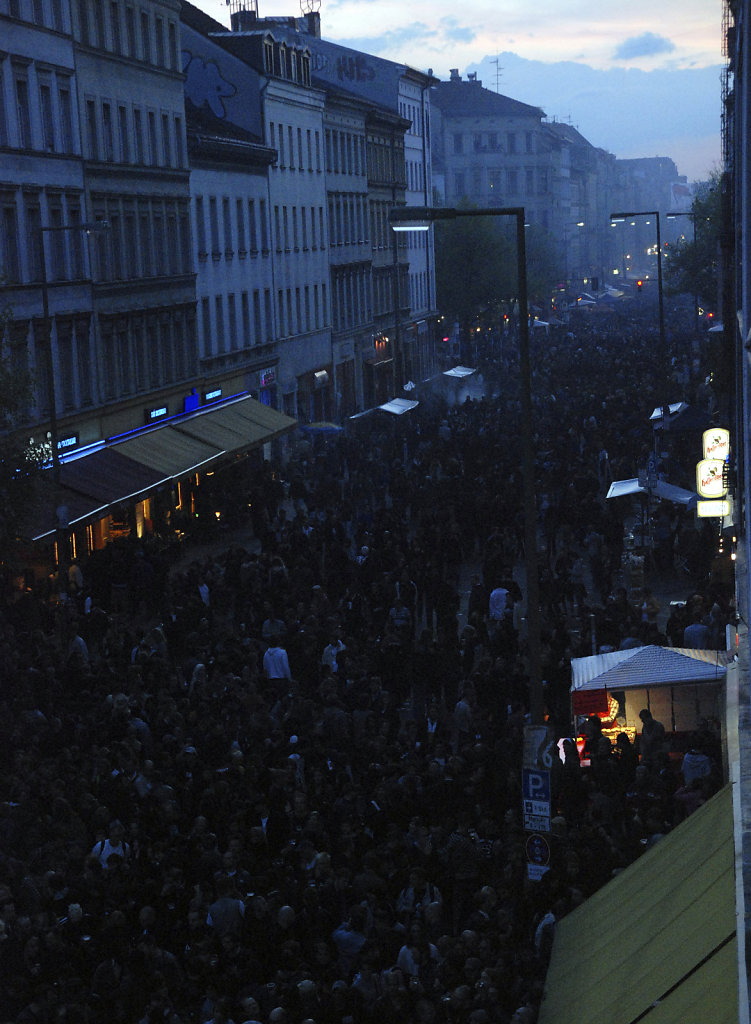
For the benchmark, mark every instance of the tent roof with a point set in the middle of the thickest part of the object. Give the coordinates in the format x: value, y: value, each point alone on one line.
x: 646, y: 666
x: 460, y: 371
x: 661, y: 489
x: 657, y: 943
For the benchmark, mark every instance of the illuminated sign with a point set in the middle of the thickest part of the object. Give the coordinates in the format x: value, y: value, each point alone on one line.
x: 716, y: 443
x: 211, y: 395
x: 718, y: 509
x: 156, y: 414
x: 67, y: 442
x: 710, y: 481
x: 267, y: 377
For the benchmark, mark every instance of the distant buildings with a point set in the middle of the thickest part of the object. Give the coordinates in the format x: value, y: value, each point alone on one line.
x: 205, y: 214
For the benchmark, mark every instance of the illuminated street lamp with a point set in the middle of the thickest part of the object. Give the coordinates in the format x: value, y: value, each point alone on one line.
x: 615, y: 217
x: 419, y: 218
x: 87, y: 229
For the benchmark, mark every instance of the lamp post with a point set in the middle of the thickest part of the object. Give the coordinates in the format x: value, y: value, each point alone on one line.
x: 419, y: 218
x: 614, y: 217
x: 99, y: 225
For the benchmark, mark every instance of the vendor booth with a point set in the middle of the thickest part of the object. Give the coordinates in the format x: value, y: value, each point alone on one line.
x: 681, y: 687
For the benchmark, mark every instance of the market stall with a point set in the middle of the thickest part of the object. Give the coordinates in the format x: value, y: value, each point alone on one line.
x: 681, y: 687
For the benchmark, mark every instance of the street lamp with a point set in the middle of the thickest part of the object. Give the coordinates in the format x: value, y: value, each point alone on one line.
x: 99, y: 225
x: 419, y: 218
x: 614, y: 217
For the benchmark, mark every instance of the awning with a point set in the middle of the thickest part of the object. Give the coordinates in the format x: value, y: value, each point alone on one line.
x: 238, y: 426
x: 647, y: 666
x: 125, y: 471
x: 657, y: 943
x: 459, y: 372
x: 398, y: 406
x: 660, y: 489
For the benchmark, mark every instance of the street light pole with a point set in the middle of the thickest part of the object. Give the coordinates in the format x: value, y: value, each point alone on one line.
x: 419, y: 218
x: 665, y: 404
x: 100, y: 225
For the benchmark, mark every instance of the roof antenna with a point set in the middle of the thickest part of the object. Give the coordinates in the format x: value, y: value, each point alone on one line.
x: 498, y: 73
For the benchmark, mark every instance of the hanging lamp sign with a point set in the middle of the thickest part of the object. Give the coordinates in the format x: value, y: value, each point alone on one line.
x: 710, y: 479
x: 716, y: 443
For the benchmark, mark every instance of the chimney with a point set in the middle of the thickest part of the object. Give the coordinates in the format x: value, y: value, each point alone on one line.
x: 243, y: 14
x: 455, y: 76
x: 313, y: 24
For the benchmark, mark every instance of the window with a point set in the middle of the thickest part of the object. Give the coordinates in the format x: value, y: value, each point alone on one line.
x: 115, y: 25
x: 200, y: 227
x: 512, y: 181
x: 264, y: 225
x: 252, y: 226
x: 214, y: 227
x: 3, y: 115
x: 232, y: 324
x: 206, y: 324
x: 145, y: 37
x: 245, y: 313
x: 458, y: 142
x: 83, y: 21
x: 179, y: 150
x: 227, y: 224
x: 9, y: 265
x: 240, y: 217
x: 174, y: 56
x: 37, y: 10
x: 138, y: 135
x: 101, y: 39
x: 107, y: 136
x: 166, y: 141
x: 122, y: 129
x: 495, y: 181
x: 47, y: 118
x: 22, y: 108
x: 219, y: 317
x: 66, y: 114
x: 91, y: 128
x: 160, y: 57
x: 145, y: 241
x: 511, y: 142
x: 529, y: 142
x: 76, y: 242
x: 130, y: 31
x: 33, y: 218
x: 152, y: 139
x: 257, y: 320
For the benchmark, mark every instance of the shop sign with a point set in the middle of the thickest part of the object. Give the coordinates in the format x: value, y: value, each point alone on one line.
x: 717, y: 509
x: 158, y: 413
x: 267, y: 377
x: 716, y: 443
x: 710, y: 478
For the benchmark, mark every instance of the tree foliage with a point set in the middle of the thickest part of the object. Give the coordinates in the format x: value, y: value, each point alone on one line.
x: 692, y: 266
x: 20, y: 462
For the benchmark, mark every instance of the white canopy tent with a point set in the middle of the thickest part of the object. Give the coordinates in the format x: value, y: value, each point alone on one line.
x: 678, y: 685
x: 460, y: 372
x: 660, y: 489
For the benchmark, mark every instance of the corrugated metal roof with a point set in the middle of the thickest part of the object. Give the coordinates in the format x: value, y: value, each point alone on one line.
x: 646, y: 666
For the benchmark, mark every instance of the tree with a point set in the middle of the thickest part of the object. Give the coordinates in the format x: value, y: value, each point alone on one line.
x: 692, y: 264
x: 20, y: 462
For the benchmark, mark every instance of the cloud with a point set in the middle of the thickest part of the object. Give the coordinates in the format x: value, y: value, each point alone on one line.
x: 454, y: 31
x: 646, y: 45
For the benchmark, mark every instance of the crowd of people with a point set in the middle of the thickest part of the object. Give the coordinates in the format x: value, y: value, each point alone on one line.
x: 279, y: 783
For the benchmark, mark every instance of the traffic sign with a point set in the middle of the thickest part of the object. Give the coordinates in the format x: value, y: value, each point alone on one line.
x: 538, y: 856
x: 536, y: 799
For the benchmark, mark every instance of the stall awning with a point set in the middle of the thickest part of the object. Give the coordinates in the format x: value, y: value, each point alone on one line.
x: 398, y: 406
x: 122, y: 471
x: 661, y: 489
x: 658, y: 943
x: 648, y: 666
x: 459, y: 372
